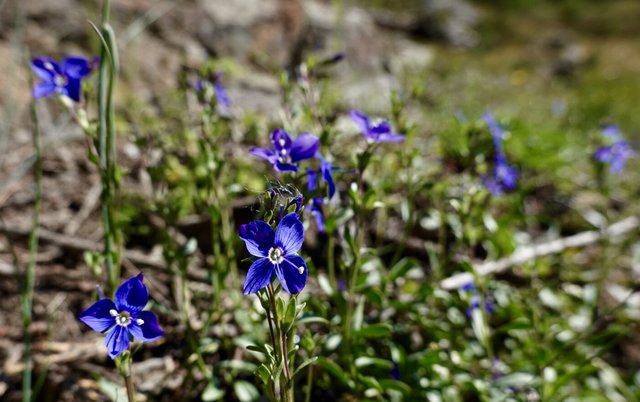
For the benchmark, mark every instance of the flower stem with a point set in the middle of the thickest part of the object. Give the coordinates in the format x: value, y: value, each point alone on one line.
x: 29, y: 279
x: 131, y: 390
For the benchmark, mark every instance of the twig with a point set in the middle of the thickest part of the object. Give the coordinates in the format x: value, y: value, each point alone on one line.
x: 528, y: 253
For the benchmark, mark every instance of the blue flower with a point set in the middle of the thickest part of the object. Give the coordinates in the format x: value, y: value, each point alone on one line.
x: 503, y: 177
x: 616, y: 153
x: 286, y: 153
x: 326, y: 172
x: 63, y: 79
x: 277, y: 253
x: 124, y: 318
x: 496, y: 131
x: 203, y: 86
x: 316, y: 212
x: 380, y: 132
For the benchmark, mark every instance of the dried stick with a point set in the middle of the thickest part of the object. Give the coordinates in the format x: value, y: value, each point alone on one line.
x: 528, y: 253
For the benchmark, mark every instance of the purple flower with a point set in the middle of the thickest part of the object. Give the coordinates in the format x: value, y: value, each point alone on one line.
x: 503, y: 177
x: 616, y: 153
x: 475, y: 303
x: 496, y: 131
x: 64, y: 78
x: 316, y: 212
x: 205, y: 87
x: 286, y: 153
x: 276, y: 252
x: 326, y: 171
x: 380, y: 132
x: 124, y: 318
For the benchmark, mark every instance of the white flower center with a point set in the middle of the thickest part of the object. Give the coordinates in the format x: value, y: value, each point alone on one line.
x: 123, y: 319
x: 60, y: 80
x: 301, y: 270
x: 276, y: 255
x: 281, y: 141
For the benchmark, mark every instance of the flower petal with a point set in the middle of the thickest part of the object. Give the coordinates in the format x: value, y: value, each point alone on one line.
x: 117, y: 341
x: 45, y: 68
x: 327, y: 175
x: 258, y: 236
x: 258, y: 276
x: 285, y: 167
x: 362, y: 121
x: 263, y: 153
x: 292, y: 274
x: 98, y: 316
x: 612, y: 131
x: 149, y: 330
x: 316, y: 211
x: 42, y: 89
x: 72, y: 89
x: 281, y: 140
x: 390, y: 138
x: 312, y: 180
x: 304, y: 146
x: 132, y: 295
x: 290, y: 234
x: 603, y: 154
x: 221, y: 95
x: 76, y: 67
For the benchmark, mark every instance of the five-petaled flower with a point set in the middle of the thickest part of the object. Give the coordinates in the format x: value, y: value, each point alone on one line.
x: 124, y: 317
x: 277, y: 253
x: 380, y: 132
x: 503, y: 177
x: 286, y: 153
x: 63, y: 79
x: 617, y: 152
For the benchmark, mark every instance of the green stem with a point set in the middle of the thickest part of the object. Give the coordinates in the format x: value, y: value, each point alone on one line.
x: 331, y: 266
x: 131, y: 390
x: 106, y: 146
x: 309, y: 383
x: 29, y: 280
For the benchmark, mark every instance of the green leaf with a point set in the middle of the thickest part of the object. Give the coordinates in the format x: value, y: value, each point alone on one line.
x: 358, y: 315
x: 517, y: 380
x: 401, y: 268
x: 245, y: 391
x: 313, y: 320
x: 280, y: 307
x: 212, y: 393
x: 336, y: 371
x: 374, y: 331
x: 305, y: 364
x: 264, y: 373
x: 364, y: 361
x: 391, y: 384
x: 290, y: 313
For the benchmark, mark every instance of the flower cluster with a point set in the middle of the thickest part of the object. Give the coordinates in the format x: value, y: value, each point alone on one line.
x: 503, y: 177
x: 616, y: 153
x: 124, y: 317
x: 277, y: 253
x: 63, y: 79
